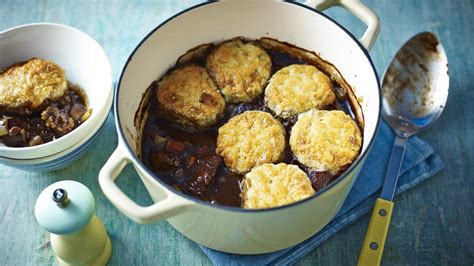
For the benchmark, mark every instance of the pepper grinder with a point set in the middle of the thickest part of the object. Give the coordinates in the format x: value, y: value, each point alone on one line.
x: 66, y: 209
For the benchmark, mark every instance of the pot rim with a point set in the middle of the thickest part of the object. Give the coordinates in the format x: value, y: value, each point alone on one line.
x: 156, y: 178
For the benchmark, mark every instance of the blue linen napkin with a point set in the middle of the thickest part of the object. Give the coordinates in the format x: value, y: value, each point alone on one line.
x: 420, y: 163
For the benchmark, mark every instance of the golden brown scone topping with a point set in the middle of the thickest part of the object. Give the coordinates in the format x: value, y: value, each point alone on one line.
x: 25, y: 87
x: 271, y: 185
x: 241, y: 70
x: 188, y: 96
x: 297, y: 88
x: 251, y: 139
x: 325, y: 140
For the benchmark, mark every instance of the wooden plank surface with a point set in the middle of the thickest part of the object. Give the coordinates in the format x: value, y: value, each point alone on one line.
x: 432, y: 224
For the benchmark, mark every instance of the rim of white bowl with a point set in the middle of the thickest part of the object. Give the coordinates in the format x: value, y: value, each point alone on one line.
x: 100, y: 114
x: 156, y: 178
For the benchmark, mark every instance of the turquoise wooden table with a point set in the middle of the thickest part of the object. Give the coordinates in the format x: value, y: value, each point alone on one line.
x: 433, y: 224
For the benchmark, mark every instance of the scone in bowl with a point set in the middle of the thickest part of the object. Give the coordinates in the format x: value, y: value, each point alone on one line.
x: 232, y: 229
x: 85, y: 63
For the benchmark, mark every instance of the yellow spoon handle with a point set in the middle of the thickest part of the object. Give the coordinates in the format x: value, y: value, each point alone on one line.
x: 374, y: 242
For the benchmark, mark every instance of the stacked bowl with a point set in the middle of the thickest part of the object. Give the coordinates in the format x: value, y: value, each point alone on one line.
x: 85, y: 63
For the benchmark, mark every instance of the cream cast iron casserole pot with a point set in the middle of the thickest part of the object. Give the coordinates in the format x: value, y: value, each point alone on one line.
x: 232, y: 229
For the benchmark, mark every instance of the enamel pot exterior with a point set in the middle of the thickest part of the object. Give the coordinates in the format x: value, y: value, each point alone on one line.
x: 228, y: 229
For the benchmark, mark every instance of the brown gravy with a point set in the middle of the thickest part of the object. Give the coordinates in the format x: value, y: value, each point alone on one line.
x: 32, y: 129
x: 224, y: 186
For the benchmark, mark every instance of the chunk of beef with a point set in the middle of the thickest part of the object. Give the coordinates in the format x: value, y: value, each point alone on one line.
x: 16, y: 137
x: 174, y: 146
x: 77, y: 111
x: 163, y: 161
x: 202, y: 150
x: 60, y: 122
x: 320, y: 179
x: 203, y: 174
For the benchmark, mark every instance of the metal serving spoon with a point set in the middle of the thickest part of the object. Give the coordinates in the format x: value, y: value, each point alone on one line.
x: 414, y: 93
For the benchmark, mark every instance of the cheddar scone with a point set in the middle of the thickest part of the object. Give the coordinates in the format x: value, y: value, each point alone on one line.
x: 240, y: 69
x: 325, y: 140
x: 26, y: 87
x: 295, y: 89
x: 272, y: 185
x: 250, y: 139
x: 188, y: 96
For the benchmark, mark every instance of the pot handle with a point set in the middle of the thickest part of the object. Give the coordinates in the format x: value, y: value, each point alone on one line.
x: 165, y: 208
x: 358, y: 9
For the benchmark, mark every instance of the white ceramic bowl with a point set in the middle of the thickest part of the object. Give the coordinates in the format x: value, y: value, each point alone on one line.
x: 86, y: 64
x: 232, y: 229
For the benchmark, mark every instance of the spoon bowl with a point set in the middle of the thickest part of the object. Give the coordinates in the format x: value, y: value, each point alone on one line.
x: 414, y: 93
x: 415, y: 85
